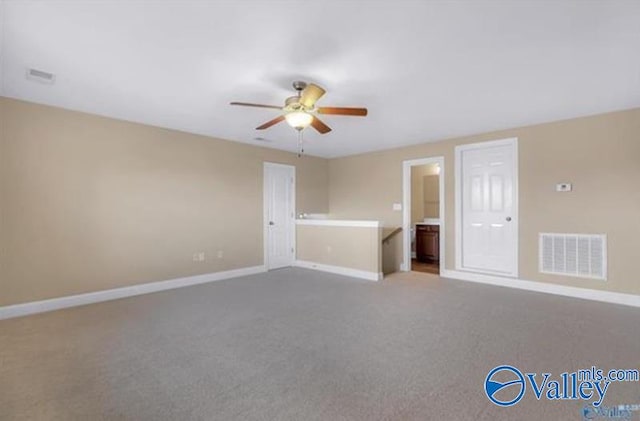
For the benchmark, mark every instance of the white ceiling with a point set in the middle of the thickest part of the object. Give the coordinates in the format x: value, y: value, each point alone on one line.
x: 426, y: 70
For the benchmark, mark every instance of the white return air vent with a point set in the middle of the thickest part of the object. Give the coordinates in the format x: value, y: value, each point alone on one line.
x: 581, y: 255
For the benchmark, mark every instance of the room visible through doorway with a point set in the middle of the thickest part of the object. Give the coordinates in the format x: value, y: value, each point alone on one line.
x: 423, y: 219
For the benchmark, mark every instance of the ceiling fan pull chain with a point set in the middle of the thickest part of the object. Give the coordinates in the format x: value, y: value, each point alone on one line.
x: 300, y: 145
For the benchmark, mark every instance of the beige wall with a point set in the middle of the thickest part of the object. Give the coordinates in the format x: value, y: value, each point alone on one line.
x: 392, y: 251
x: 349, y: 247
x: 90, y: 203
x: 600, y: 155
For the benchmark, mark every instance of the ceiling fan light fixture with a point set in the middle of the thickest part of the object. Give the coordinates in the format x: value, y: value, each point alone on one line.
x: 299, y: 120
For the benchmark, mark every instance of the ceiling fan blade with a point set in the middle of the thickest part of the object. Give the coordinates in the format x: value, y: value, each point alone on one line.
x: 310, y: 95
x: 361, y: 112
x: 271, y: 123
x: 248, y: 104
x: 320, y: 126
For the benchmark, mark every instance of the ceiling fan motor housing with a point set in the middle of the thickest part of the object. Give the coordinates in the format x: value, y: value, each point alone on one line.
x: 293, y: 104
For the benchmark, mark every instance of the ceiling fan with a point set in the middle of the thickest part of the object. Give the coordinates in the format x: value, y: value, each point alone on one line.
x: 300, y: 110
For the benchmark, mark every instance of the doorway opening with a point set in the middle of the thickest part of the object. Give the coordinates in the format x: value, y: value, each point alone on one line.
x: 423, y: 215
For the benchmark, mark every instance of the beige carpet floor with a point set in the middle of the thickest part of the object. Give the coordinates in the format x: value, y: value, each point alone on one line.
x: 295, y: 344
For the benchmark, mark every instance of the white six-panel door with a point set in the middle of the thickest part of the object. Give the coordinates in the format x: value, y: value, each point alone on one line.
x: 487, y: 220
x: 279, y: 215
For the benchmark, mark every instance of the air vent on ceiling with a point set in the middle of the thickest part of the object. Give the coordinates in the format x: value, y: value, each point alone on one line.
x: 581, y: 255
x: 41, y: 76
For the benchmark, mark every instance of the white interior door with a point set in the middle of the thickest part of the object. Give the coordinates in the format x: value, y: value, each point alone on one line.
x: 279, y: 215
x: 488, y: 189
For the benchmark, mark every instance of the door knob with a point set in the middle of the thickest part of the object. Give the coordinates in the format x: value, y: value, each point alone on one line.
x: 508, y: 219
x: 271, y: 223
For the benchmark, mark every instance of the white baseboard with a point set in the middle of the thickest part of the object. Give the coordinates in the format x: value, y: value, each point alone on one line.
x: 34, y: 307
x: 340, y: 270
x: 567, y: 291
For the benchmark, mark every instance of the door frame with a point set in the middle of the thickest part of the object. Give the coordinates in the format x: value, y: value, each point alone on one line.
x: 406, y: 209
x: 265, y: 212
x: 513, y: 142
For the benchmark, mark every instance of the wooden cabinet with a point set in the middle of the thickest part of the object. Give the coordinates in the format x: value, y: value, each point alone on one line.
x: 428, y: 243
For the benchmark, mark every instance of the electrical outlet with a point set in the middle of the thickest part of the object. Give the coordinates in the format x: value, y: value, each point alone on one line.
x: 329, y: 249
x: 397, y: 206
x: 563, y: 187
x: 201, y: 256
x: 220, y: 254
